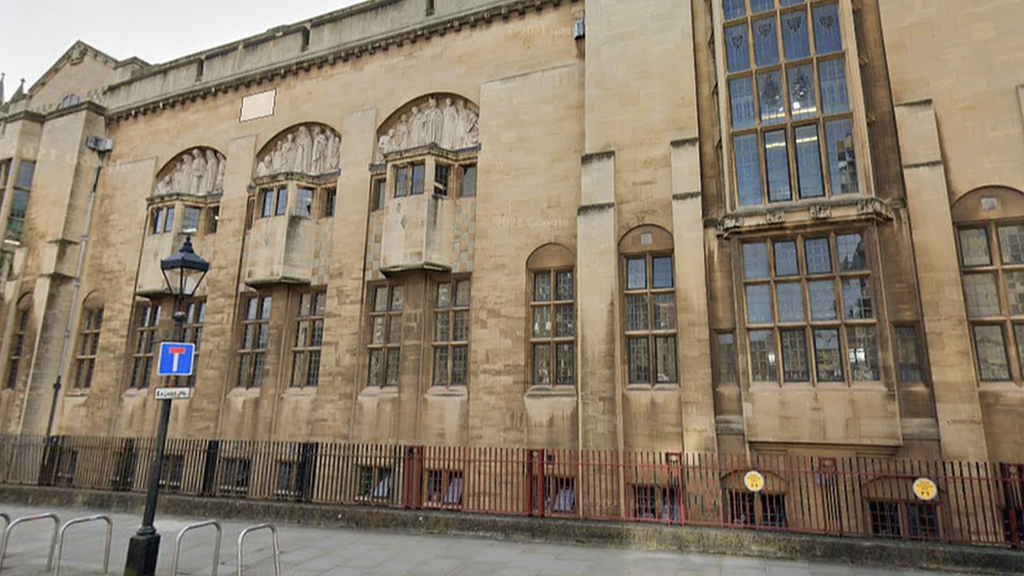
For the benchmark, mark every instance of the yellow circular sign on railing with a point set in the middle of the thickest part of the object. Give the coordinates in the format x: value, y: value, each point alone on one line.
x: 754, y: 481
x: 926, y: 489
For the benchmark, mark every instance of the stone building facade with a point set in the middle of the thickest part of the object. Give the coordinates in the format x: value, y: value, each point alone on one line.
x: 770, y: 226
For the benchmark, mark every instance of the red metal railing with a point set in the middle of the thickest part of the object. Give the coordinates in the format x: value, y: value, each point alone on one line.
x: 976, y: 502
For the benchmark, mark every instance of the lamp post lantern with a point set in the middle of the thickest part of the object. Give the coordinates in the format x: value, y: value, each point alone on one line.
x: 183, y: 271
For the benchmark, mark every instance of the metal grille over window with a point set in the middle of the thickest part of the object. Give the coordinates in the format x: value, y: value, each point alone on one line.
x: 147, y: 318
x: 385, y: 339
x: 451, y: 334
x: 992, y: 264
x: 809, y: 304
x: 88, y: 345
x: 255, y: 339
x: 553, y: 336
x: 651, y: 320
x: 789, y: 108
x: 309, y: 337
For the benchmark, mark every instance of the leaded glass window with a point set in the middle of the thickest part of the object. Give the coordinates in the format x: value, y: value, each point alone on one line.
x: 451, y: 333
x: 553, y: 328
x: 810, y: 310
x: 992, y: 267
x: 385, y: 338
x: 789, y: 104
x: 650, y: 322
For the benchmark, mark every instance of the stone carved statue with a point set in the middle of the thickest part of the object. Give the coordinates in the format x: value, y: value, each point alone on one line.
x: 452, y: 126
x: 304, y: 150
x: 197, y: 172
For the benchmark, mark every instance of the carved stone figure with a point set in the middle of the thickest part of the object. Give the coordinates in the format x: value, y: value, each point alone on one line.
x: 452, y: 126
x: 197, y: 172
x: 320, y: 144
x: 417, y: 128
x: 210, y: 174
x: 401, y: 138
x: 181, y: 177
x: 290, y: 153
x: 433, y: 122
x: 303, y: 151
x: 218, y: 184
x: 333, y: 153
x: 449, y: 132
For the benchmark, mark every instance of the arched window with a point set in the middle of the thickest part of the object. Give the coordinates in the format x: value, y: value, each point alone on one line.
x: 990, y: 238
x: 90, y: 325
x: 17, y: 356
x: 552, y: 356
x: 648, y: 280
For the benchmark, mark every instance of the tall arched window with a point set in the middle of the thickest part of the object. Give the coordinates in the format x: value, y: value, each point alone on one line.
x: 90, y: 325
x: 552, y: 332
x: 17, y: 355
x: 990, y: 239
x: 649, y: 306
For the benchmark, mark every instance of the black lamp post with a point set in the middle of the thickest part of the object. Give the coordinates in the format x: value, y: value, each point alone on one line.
x: 183, y: 271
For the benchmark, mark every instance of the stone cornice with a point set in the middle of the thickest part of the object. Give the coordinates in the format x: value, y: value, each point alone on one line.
x: 307, y: 61
x: 842, y: 209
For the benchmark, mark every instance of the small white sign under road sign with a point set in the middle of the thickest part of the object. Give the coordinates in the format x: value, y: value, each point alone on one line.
x: 173, y: 393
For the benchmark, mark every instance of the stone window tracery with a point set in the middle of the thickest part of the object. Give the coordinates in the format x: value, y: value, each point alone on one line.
x: 19, y: 346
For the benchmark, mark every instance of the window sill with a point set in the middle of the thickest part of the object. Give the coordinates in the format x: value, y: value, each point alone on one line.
x: 375, y: 391
x: 300, y: 391
x: 451, y: 392
x: 652, y: 387
x: 871, y: 386
x: 253, y: 391
x: 77, y: 393
x: 1005, y: 386
x: 555, y: 391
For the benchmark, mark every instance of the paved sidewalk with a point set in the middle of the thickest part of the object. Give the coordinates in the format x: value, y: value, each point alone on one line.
x: 308, y: 551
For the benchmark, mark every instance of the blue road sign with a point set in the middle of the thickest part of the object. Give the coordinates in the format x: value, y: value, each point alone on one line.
x: 176, y: 359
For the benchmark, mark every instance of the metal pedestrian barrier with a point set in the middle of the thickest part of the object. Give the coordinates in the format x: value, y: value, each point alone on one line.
x: 7, y: 520
x: 277, y: 547
x: 10, y: 529
x: 83, y: 520
x: 216, y: 545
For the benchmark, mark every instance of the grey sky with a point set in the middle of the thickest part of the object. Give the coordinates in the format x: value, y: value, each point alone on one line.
x: 34, y: 33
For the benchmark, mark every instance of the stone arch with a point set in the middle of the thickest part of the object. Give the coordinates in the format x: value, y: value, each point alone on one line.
x: 442, y: 119
x: 309, y: 148
x: 93, y: 300
x: 196, y: 171
x: 646, y: 238
x: 19, y: 347
x: 988, y: 203
x: 550, y: 256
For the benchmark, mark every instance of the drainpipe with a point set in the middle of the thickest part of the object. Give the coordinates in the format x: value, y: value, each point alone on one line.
x: 102, y: 147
